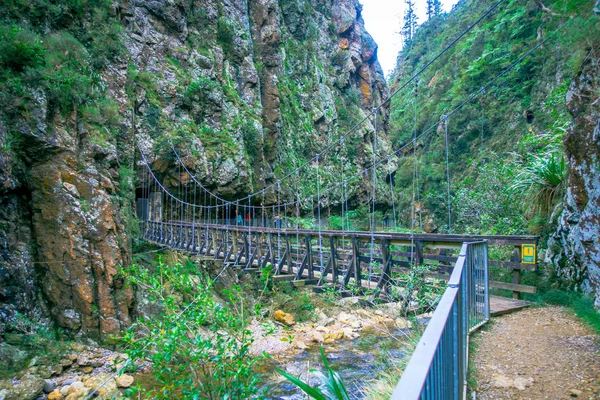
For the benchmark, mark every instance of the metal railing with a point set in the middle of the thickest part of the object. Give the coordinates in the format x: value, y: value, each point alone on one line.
x: 437, y: 369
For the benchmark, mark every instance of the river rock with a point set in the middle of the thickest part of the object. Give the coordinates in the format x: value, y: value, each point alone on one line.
x: 65, y: 362
x: 300, y: 345
x: 349, y: 334
x: 64, y: 391
x: 124, y: 381
x: 317, y: 337
x: 49, y: 386
x: 108, y: 390
x: 75, y: 387
x: 402, y: 323
x: 283, y: 317
x: 28, y: 387
x: 575, y: 392
x: 69, y: 381
x: 335, y: 335
x: 344, y: 317
x: 322, y: 318
x: 55, y: 395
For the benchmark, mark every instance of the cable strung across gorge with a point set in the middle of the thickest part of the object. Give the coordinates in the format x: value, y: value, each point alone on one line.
x: 362, y: 121
x: 365, y: 170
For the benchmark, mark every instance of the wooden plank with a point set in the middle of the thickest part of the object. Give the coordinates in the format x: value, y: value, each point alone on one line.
x: 512, y: 265
x: 304, y: 282
x: 516, y: 278
x: 279, y: 278
x: 505, y: 305
x: 514, y: 287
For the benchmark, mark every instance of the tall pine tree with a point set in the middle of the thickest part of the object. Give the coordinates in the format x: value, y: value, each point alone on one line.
x: 434, y: 8
x: 410, y: 22
x: 437, y: 7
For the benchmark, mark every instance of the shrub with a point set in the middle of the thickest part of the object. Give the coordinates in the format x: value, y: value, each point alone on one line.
x: 69, y: 79
x: 20, y: 49
x: 542, y: 179
x: 196, y: 95
x: 199, y: 348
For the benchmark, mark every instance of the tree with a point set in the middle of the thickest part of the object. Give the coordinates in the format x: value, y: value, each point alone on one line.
x: 434, y: 8
x: 410, y: 22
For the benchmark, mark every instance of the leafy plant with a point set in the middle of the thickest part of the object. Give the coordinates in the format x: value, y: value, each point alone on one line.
x: 198, y: 346
x: 418, y: 291
x: 334, y: 388
x: 20, y: 48
x: 542, y: 179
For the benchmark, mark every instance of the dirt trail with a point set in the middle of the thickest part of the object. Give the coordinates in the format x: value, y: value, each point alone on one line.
x: 537, y: 353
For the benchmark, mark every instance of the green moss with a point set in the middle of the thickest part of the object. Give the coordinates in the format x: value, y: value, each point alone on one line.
x: 225, y: 34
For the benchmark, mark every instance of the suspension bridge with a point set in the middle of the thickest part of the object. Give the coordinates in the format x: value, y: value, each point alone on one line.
x: 263, y: 231
x: 263, y: 228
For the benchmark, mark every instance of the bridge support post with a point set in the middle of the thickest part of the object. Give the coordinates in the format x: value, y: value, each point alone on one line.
x: 418, y: 252
x: 386, y: 268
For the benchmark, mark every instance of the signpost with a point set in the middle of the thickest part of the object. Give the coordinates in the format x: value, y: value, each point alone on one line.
x: 528, y: 254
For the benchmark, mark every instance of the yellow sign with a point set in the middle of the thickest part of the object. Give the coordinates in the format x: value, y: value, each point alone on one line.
x: 528, y: 254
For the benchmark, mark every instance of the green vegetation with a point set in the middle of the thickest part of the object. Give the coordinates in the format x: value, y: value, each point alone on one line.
x: 64, y: 63
x: 28, y: 340
x: 420, y: 291
x: 198, y: 345
x: 542, y: 179
x: 334, y: 387
x: 506, y: 163
x: 225, y: 34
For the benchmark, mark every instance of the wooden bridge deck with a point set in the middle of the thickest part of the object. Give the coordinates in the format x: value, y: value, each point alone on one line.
x: 377, y: 257
x: 505, y: 305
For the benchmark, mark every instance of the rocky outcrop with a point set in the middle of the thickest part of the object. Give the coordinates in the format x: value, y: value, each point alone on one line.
x: 240, y: 87
x: 575, y: 246
x: 69, y: 213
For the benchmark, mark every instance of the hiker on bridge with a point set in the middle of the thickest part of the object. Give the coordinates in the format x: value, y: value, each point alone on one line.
x: 386, y: 221
x: 239, y: 220
x: 277, y: 221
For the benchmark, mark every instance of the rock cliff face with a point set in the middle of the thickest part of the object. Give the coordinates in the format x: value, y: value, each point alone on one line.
x: 244, y: 89
x: 575, y: 247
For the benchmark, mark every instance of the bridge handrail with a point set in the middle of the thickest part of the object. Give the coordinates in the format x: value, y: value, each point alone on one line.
x: 438, y: 366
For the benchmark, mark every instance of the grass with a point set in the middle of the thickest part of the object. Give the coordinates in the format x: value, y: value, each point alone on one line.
x: 383, y: 386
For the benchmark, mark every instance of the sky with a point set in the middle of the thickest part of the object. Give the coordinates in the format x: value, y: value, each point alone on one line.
x: 383, y: 19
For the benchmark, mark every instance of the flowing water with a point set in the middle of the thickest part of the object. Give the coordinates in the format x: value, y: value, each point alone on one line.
x: 357, y: 361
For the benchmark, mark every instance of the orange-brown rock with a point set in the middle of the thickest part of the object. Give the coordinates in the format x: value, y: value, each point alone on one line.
x: 283, y: 317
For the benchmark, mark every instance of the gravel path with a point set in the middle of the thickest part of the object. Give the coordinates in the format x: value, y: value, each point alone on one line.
x: 537, y: 353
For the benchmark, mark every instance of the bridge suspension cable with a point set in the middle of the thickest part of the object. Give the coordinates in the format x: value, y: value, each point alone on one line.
x: 369, y: 115
x: 377, y: 162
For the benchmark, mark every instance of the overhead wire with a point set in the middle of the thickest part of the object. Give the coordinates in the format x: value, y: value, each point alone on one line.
x: 370, y: 114
x: 454, y: 110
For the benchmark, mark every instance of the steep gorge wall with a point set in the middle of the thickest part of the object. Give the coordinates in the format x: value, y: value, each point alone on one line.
x: 575, y: 246
x: 244, y: 90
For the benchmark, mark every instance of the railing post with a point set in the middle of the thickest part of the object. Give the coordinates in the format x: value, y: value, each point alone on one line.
x: 516, y: 273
